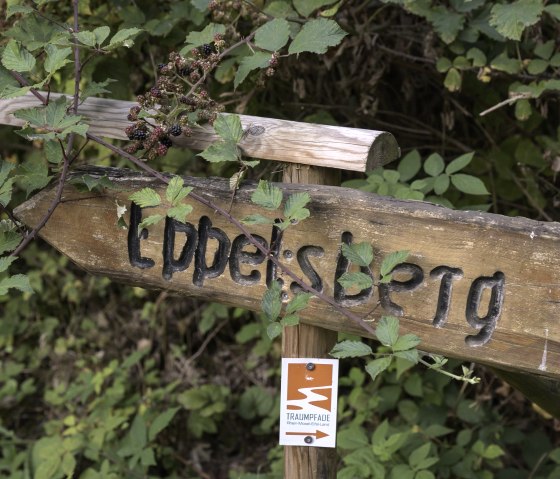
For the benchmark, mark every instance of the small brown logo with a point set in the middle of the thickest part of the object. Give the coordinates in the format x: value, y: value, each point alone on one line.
x: 310, y: 390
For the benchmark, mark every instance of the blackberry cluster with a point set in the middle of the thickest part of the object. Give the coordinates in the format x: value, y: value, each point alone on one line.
x: 175, y: 130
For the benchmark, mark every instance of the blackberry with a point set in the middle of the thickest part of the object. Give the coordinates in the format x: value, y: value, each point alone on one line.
x: 186, y: 71
x: 161, y: 66
x: 139, y: 135
x: 175, y: 130
x: 165, y: 141
x: 207, y: 49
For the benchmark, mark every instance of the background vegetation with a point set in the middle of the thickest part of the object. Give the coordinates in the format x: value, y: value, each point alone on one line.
x: 99, y: 380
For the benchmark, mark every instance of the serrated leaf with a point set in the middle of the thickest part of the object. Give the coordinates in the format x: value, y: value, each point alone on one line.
x: 221, y: 151
x: 86, y: 38
x: 459, y: 163
x: 6, y: 192
x: 392, y: 260
x: 434, y: 164
x: 506, y: 64
x: 317, y: 36
x: 409, y: 166
x: 510, y: 19
x: 307, y: 7
x: 274, y: 330
x: 17, y: 281
x: 267, y: 195
x: 387, y: 330
x: 272, y: 302
x: 469, y: 184
x: 56, y: 58
x: 257, y: 219
x: 298, y: 302
x: 196, y: 39
x: 180, y: 212
x: 441, y: 184
x: 350, y: 349
x: 6, y: 262
x: 228, y: 127
x: 123, y: 37
x: 175, y: 191
x: 377, y: 366
x: 273, y: 35
x: 406, y: 342
x: 149, y: 221
x: 161, y: 422
x: 248, y: 64
x: 145, y: 198
x: 295, y: 203
x: 96, y: 88
x: 34, y: 174
x: 101, y: 34
x: 16, y: 57
x: 9, y: 241
x: 13, y: 9
x: 355, y: 280
x: 290, y: 320
x: 358, y: 253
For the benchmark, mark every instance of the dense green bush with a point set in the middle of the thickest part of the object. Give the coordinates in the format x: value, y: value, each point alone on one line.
x: 99, y: 380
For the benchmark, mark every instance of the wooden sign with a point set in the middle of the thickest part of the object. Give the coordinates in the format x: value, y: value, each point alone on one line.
x: 476, y: 286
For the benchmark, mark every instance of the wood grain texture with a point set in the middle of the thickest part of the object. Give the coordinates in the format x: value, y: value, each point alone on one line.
x: 527, y: 336
x: 308, y: 341
x: 281, y: 140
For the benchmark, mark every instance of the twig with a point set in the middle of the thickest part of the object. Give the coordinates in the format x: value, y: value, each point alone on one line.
x: 509, y: 101
x: 209, y: 338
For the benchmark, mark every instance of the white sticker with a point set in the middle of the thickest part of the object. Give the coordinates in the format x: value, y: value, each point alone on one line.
x: 308, y: 402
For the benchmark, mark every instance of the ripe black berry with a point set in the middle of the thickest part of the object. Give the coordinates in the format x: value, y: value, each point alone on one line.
x: 207, y: 49
x: 139, y: 135
x: 175, y: 130
x: 165, y: 141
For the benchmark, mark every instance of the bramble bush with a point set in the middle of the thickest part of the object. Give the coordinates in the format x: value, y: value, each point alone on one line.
x: 99, y: 380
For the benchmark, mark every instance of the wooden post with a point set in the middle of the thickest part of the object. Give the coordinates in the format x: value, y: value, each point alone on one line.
x: 307, y: 341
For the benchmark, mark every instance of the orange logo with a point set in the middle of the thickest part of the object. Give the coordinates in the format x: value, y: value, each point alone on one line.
x: 310, y: 390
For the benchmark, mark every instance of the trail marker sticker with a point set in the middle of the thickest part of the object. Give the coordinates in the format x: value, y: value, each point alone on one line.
x: 308, y: 402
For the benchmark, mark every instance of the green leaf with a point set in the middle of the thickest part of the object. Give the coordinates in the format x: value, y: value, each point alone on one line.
x: 272, y: 302
x: 180, y: 212
x: 101, y: 34
x: 9, y: 240
x: 298, y: 302
x: 307, y: 7
x: 175, y: 191
x: 469, y: 184
x: 447, y: 23
x: 409, y: 166
x: 16, y: 57
x: 510, y: 19
x: 123, y: 37
x: 221, y: 151
x: 257, y: 219
x: 406, y: 342
x: 96, y: 88
x: 523, y: 109
x: 5, y: 262
x: 290, y: 320
x: 295, y: 203
x: 459, y: 163
x: 350, y: 349
x: 355, y: 280
x: 553, y: 10
x: 196, y: 39
x: 358, y: 253
x: 250, y: 63
x: 150, y: 220
x: 86, y: 38
x: 228, y: 127
x: 545, y: 50
x: 537, y: 66
x: 148, y: 458
x: 506, y: 64
x: 138, y: 433
x: 317, y: 36
x: 410, y: 355
x: 391, y: 260
x: 273, y: 35
x: 443, y: 64
x: 33, y: 174
x: 493, y: 451
x: 18, y: 281
x: 419, y: 454
x: 387, y: 330
x: 145, y: 198
x: 453, y: 80
x: 377, y: 366
x: 13, y: 9
x: 53, y: 152
x: 56, y: 58
x: 161, y: 422
x: 273, y: 330
x: 434, y: 164
x: 477, y: 57
x: 267, y: 195
x: 6, y: 192
x: 441, y: 184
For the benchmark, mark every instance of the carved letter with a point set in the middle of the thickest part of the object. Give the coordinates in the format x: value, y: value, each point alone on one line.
x: 238, y: 257
x: 275, y: 245
x: 307, y: 268
x: 447, y: 275
x: 170, y: 265
x: 342, y: 264
x: 134, y: 239
x: 201, y: 269
x: 487, y: 325
x: 417, y: 276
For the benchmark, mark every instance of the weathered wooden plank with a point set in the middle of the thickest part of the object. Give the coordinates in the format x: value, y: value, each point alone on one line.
x: 267, y: 138
x: 491, y: 283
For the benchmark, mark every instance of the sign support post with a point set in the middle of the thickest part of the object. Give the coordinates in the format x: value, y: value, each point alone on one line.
x: 307, y: 341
